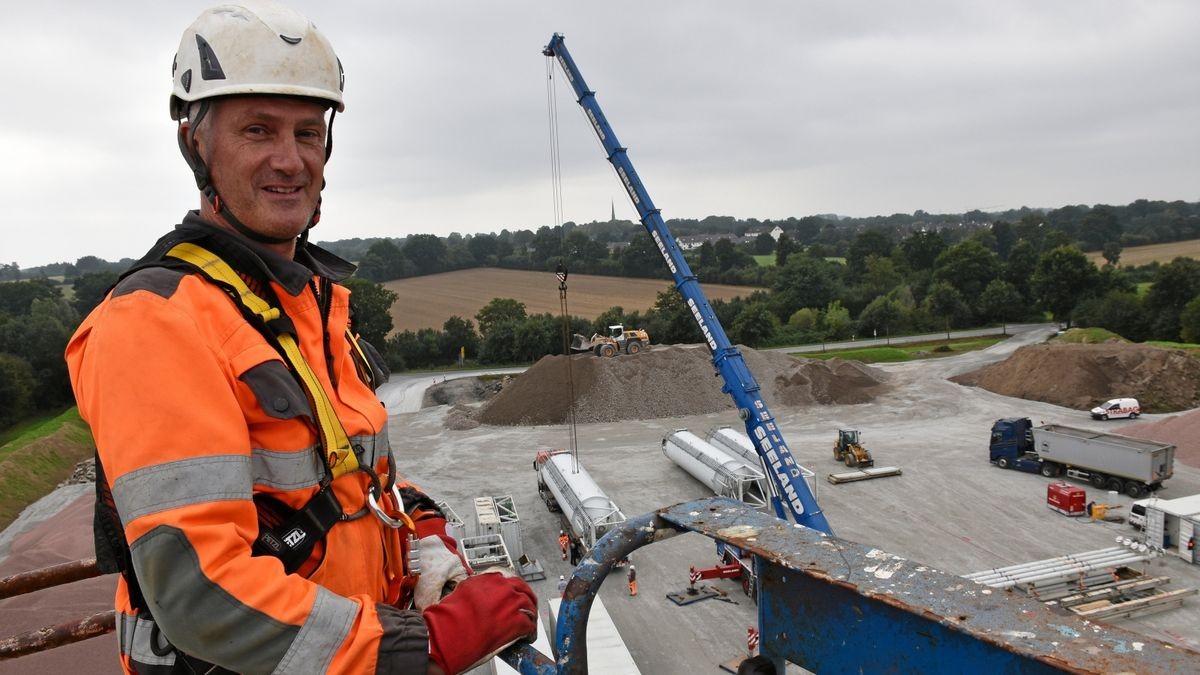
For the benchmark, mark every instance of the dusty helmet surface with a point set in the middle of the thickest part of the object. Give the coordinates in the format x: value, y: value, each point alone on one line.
x: 254, y: 47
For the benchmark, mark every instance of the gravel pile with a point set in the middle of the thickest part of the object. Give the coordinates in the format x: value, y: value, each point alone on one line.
x: 1082, y: 376
x: 1182, y: 431
x: 460, y: 417
x: 668, y: 381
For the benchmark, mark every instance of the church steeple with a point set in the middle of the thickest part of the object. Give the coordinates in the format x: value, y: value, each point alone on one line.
x: 613, y: 217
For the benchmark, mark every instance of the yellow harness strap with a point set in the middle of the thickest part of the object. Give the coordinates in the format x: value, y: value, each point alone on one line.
x: 339, y: 455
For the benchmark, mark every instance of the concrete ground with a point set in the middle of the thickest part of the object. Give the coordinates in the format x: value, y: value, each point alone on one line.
x: 950, y: 509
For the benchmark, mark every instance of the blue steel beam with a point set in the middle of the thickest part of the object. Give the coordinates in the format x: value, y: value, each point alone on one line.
x: 831, y: 605
x: 790, y: 495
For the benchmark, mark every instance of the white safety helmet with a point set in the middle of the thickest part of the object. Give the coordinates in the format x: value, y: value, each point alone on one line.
x: 254, y: 47
x: 251, y: 47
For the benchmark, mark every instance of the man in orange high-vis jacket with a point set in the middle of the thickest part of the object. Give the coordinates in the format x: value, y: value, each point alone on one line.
x: 247, y: 491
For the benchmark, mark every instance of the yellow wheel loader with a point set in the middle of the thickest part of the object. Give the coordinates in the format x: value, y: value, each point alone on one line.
x: 849, y: 450
x: 618, y: 340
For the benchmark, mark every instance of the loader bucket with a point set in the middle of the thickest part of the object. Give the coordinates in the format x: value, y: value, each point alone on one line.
x: 580, y: 343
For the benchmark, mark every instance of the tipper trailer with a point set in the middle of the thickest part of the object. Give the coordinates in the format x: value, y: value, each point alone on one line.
x: 1134, y: 466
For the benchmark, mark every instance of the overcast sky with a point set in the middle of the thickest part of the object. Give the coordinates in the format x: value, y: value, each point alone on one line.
x: 748, y: 109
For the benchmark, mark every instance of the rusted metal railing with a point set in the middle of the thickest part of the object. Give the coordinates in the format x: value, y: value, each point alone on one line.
x: 66, y: 633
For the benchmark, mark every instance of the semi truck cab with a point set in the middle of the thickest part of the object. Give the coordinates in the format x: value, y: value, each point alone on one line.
x: 1011, y: 446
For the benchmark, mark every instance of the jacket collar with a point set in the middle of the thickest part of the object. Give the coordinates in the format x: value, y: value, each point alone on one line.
x: 250, y: 258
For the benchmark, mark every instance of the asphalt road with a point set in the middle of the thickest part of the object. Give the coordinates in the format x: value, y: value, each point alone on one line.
x: 950, y: 509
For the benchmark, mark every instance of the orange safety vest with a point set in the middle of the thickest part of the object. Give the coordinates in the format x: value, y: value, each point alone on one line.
x: 199, y: 419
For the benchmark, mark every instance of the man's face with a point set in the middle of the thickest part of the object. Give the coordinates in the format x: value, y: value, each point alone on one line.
x: 266, y: 156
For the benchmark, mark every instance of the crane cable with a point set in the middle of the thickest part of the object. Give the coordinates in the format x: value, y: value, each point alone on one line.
x: 561, y: 272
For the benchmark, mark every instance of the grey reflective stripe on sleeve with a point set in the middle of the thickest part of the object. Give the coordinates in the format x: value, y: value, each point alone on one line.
x: 285, y: 470
x: 323, y: 632
x: 295, y: 470
x: 198, y: 616
x: 181, y: 483
x: 134, y: 634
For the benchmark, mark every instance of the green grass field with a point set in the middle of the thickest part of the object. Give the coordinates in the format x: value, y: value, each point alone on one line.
x: 36, y: 456
x: 907, y: 352
x: 767, y: 260
x: 1190, y: 347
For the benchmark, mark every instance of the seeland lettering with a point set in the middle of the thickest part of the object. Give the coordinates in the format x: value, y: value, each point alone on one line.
x: 563, y: 62
x: 784, y: 476
x: 712, y: 343
x: 596, y: 125
x: 663, y: 250
x: 628, y: 184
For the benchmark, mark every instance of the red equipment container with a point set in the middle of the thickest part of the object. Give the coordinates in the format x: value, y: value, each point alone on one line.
x: 1067, y: 499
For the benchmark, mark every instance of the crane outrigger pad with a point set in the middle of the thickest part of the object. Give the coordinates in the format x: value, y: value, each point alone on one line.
x: 702, y: 593
x: 863, y: 474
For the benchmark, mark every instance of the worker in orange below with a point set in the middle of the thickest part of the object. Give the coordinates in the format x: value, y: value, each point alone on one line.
x: 246, y: 489
x: 632, y: 580
x: 564, y: 543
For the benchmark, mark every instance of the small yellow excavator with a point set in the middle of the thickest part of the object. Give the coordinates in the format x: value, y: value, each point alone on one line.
x: 849, y: 450
x: 618, y: 340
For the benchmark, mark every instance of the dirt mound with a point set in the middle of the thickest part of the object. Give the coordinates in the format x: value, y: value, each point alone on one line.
x: 669, y: 381
x: 460, y: 390
x: 460, y: 418
x: 1083, y: 375
x: 1182, y: 431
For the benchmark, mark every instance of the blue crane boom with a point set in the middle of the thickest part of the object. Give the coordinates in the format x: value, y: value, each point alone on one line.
x: 790, y: 494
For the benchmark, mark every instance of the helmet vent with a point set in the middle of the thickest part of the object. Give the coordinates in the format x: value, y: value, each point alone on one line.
x: 210, y: 68
x: 289, y: 39
x: 186, y: 81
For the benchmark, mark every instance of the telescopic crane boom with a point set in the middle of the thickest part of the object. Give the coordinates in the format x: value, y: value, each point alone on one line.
x: 790, y: 494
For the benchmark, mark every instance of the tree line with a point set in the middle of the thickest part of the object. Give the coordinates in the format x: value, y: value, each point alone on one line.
x: 620, y: 248
x: 831, y: 280
x: 36, y: 321
x: 887, y: 285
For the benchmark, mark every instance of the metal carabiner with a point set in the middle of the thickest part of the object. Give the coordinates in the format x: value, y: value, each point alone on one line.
x: 383, y: 515
x: 403, y: 521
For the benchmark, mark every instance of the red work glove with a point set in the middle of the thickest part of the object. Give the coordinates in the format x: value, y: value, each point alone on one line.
x: 484, y: 614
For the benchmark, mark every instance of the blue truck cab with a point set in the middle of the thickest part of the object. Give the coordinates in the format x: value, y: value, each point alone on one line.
x: 1012, y: 447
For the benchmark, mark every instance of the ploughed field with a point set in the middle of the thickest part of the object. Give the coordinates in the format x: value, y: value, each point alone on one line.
x: 427, y: 301
x: 1163, y: 253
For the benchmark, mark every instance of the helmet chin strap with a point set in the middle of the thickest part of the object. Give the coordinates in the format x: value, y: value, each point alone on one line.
x: 205, y: 184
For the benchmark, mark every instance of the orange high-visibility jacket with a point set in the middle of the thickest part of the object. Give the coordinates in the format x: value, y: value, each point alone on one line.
x: 194, y: 413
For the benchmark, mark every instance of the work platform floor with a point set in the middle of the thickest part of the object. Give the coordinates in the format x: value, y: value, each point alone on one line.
x: 951, y: 509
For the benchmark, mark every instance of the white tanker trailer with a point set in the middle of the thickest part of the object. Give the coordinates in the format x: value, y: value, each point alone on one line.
x: 738, y: 444
x: 567, y: 488
x: 726, y: 474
